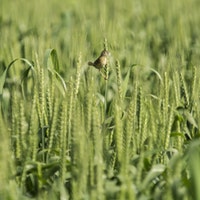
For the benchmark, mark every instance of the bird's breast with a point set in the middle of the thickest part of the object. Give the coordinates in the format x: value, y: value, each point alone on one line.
x: 103, y: 60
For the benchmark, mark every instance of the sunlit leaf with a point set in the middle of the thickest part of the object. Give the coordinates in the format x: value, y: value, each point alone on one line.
x: 51, y: 54
x: 190, y: 118
x: 4, y: 74
x: 152, y: 174
x: 156, y: 72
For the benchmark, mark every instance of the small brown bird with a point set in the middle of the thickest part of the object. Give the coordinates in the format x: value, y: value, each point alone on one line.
x: 101, y: 61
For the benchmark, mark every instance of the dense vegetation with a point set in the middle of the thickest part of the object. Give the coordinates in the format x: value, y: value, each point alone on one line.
x: 66, y: 133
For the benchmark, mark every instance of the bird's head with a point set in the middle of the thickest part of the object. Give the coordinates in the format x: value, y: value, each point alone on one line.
x: 105, y: 53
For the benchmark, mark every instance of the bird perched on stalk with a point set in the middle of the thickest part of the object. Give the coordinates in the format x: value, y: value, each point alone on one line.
x: 101, y: 61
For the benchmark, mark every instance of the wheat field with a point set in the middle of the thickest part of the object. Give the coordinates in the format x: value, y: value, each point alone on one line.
x: 67, y: 133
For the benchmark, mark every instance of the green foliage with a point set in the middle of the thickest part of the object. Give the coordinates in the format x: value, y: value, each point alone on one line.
x: 66, y: 133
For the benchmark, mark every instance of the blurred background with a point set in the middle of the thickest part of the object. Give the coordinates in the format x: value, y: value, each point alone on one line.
x: 154, y: 66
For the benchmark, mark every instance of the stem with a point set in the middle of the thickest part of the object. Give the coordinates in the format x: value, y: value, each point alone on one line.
x: 106, y: 92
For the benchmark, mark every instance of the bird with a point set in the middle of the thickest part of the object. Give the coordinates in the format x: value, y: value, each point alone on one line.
x: 101, y: 61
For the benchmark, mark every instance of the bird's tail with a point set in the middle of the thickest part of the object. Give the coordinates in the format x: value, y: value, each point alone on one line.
x: 91, y: 63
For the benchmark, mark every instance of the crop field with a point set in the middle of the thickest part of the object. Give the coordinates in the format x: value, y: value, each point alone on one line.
x: 126, y: 131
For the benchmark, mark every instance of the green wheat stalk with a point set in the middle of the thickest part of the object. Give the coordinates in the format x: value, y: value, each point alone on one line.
x: 140, y: 113
x: 106, y: 71
x: 132, y: 117
x: 23, y: 130
x: 53, y: 128
x: 49, y: 98
x: 71, y: 103
x: 88, y: 107
x: 152, y: 123
x: 194, y: 86
x: 130, y: 129
x: 118, y: 133
x: 33, y: 126
x: 177, y: 92
x: 63, y: 140
x: 165, y: 106
x: 166, y: 98
x: 168, y: 131
x: 78, y: 75
x: 106, y: 68
x: 184, y: 91
x: 119, y: 79
x: 15, y: 130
